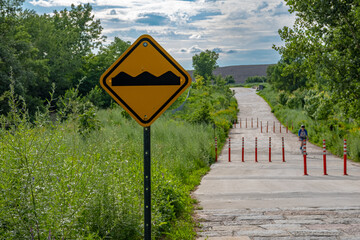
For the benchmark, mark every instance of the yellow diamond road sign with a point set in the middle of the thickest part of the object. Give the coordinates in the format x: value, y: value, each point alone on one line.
x: 145, y: 80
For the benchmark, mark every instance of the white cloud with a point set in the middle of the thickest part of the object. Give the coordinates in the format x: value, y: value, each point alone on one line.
x: 187, y: 27
x: 55, y: 3
x: 193, y: 50
x: 195, y: 36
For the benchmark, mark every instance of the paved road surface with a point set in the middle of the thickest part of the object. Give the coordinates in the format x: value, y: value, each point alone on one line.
x: 248, y: 200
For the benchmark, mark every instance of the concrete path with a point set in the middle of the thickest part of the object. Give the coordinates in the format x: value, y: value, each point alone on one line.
x: 274, y: 200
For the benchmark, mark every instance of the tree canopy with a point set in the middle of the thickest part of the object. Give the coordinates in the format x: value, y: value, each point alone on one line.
x: 39, y: 50
x: 322, y: 51
x: 204, y: 63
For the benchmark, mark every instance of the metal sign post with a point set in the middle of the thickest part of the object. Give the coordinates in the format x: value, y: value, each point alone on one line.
x: 147, y: 184
x: 145, y: 80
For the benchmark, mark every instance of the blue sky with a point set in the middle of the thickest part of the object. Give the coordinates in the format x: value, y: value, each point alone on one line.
x: 241, y: 31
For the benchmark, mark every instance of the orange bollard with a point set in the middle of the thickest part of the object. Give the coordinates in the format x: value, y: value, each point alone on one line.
x: 324, y: 157
x: 280, y: 127
x: 283, y: 149
x: 304, y: 153
x: 269, y: 149
x: 215, y: 149
x: 345, y: 158
x: 229, y: 150
x: 267, y: 126
x: 256, y: 150
x: 274, y: 127
x: 243, y: 150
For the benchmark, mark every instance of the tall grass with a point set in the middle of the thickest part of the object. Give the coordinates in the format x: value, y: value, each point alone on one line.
x: 82, y: 177
x: 333, y: 131
x: 56, y: 184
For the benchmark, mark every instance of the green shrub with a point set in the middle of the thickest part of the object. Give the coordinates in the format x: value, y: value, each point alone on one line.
x: 293, y: 102
x: 79, y: 110
x: 229, y: 79
x: 256, y: 79
x: 318, y: 105
x: 201, y: 115
x: 318, y: 119
x: 88, y: 121
x: 282, y: 98
x: 98, y: 97
x: 312, y: 102
x: 71, y: 179
x: 354, y: 144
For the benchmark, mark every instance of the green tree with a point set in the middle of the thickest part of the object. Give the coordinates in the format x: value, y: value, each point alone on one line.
x: 204, y: 63
x: 229, y: 79
x: 283, y: 77
x: 76, y: 34
x: 19, y: 57
x: 96, y: 65
x: 256, y: 79
x: 64, y: 40
x: 38, y: 50
x: 326, y: 36
x: 8, y: 21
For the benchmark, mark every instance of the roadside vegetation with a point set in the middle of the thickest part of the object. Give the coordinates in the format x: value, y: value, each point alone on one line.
x: 256, y: 79
x: 78, y: 174
x: 71, y: 160
x: 315, y: 110
x: 316, y: 82
x: 296, y: 109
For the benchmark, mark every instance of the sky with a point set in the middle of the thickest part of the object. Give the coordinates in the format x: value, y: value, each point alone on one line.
x: 241, y: 31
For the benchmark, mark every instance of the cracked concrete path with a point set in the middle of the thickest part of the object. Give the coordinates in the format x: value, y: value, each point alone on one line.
x: 274, y: 200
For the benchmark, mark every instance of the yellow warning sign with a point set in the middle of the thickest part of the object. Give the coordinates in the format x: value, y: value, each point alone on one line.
x: 145, y: 80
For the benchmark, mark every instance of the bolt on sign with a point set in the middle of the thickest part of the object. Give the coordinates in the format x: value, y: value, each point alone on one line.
x: 145, y: 80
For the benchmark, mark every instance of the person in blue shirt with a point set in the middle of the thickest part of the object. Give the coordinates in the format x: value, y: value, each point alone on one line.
x: 303, y: 135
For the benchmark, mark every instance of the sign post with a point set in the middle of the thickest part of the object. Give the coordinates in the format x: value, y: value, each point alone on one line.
x: 147, y: 184
x: 145, y: 80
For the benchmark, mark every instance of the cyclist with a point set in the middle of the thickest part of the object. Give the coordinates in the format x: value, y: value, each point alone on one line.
x: 303, y: 135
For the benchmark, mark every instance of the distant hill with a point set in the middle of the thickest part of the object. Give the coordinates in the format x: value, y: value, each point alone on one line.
x: 240, y: 72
